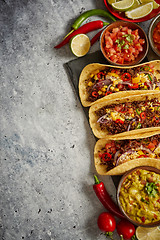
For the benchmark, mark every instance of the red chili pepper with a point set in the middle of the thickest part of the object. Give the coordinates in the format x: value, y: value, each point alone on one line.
x: 142, y: 156
x: 107, y: 93
x: 126, y: 77
x: 105, y: 199
x: 156, y: 119
x: 106, y: 157
x: 119, y: 121
x: 96, y: 37
x: 142, y: 115
x: 88, y: 27
x: 99, y: 74
x: 134, y: 86
x: 94, y: 94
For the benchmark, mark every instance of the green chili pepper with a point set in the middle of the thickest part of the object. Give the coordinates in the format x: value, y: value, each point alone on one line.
x: 99, y: 12
x: 138, y: 111
x: 145, y: 68
x: 85, y: 15
x: 138, y: 126
x: 158, y: 108
x: 149, y: 76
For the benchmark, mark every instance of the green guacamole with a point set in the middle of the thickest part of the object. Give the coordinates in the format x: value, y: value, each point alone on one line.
x: 140, y: 196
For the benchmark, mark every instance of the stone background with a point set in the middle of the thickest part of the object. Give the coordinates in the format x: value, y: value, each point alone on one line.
x: 46, y: 143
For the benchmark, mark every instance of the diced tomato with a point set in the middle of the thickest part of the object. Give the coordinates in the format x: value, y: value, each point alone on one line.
x: 141, y: 41
x: 151, y: 145
x: 119, y: 48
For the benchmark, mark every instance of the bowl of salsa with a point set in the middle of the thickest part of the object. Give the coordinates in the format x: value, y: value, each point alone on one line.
x: 154, y: 34
x: 138, y: 196
x: 124, y: 43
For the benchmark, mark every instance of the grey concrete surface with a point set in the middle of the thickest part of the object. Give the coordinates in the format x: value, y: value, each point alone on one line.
x: 46, y: 143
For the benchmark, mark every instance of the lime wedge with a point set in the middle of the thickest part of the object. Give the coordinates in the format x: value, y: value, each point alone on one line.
x: 143, y: 233
x: 155, y: 5
x: 135, y: 5
x: 80, y: 45
x: 140, y: 12
x: 123, y: 5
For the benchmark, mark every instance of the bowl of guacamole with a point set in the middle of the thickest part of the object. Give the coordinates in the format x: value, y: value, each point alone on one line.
x: 138, y: 196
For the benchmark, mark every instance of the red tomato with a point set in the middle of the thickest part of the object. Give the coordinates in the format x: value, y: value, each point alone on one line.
x: 106, y: 222
x: 126, y: 229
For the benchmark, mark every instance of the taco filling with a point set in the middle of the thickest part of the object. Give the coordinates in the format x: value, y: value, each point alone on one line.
x: 114, y: 153
x: 118, y: 118
x: 112, y: 80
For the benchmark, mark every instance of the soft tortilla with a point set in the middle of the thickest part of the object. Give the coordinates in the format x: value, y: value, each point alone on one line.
x: 91, y: 68
x: 122, y: 168
x: 99, y: 133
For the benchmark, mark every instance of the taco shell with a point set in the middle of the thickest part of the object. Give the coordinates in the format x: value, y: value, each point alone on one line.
x: 100, y: 133
x: 124, y: 167
x: 94, y: 67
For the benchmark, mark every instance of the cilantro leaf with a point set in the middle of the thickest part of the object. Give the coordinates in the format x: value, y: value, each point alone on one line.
x: 151, y: 189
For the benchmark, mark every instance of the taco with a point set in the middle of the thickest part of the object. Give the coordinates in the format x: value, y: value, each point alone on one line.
x: 126, y: 116
x: 99, y: 81
x: 116, y: 157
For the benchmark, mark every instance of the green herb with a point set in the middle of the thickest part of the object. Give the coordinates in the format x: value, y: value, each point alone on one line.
x: 151, y: 189
x: 126, y: 46
x: 120, y: 42
x: 149, y: 76
x: 143, y: 200
x: 129, y: 37
x: 138, y: 126
x: 158, y: 108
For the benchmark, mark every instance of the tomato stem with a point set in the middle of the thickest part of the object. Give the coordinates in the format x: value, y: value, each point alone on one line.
x: 109, y: 234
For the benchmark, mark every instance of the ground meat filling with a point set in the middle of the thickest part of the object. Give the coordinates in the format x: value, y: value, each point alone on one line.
x: 148, y: 117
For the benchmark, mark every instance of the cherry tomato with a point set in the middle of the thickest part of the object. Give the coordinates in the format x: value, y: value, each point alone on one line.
x: 126, y: 229
x: 106, y: 222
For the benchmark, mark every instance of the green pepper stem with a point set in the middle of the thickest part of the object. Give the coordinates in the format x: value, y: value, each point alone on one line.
x: 68, y: 33
x: 105, y: 23
x: 96, y: 179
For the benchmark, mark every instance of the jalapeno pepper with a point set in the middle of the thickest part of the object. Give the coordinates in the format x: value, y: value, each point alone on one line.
x: 142, y: 115
x: 105, y: 198
x: 126, y: 77
x: 100, y: 74
x: 94, y: 94
x: 107, y: 93
x: 106, y: 157
x: 145, y: 68
x: 138, y: 111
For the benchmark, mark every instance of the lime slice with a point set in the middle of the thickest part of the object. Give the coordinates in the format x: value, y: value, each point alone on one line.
x: 143, y: 233
x: 155, y: 5
x: 123, y: 5
x: 80, y: 45
x: 140, y: 12
x: 111, y: 1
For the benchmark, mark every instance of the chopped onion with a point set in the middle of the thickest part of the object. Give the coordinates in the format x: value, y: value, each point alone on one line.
x: 103, y: 119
